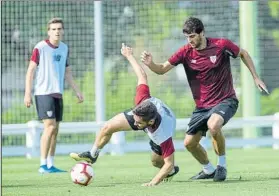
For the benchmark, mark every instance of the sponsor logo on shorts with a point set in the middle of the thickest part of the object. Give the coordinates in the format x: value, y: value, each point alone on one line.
x: 222, y: 112
x: 49, y: 113
x: 130, y: 113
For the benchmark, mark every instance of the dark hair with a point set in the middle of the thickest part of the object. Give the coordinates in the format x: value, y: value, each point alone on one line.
x: 54, y: 21
x: 146, y: 110
x: 193, y: 25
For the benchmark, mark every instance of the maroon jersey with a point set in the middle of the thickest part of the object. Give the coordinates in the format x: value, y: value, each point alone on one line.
x: 142, y: 93
x: 208, y: 70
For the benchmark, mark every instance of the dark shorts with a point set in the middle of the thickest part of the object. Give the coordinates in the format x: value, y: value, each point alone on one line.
x: 227, y: 108
x: 129, y: 116
x: 49, y: 107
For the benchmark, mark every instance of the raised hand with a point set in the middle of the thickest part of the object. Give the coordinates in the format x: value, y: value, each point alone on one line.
x: 146, y: 58
x: 126, y: 51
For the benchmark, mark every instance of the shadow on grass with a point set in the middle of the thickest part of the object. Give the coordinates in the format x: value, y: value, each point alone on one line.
x: 227, y: 181
x: 209, y: 181
x: 17, y: 185
x: 236, y: 180
x: 118, y: 183
x: 105, y: 186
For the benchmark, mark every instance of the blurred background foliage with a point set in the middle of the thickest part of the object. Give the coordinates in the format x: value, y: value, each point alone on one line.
x: 144, y: 25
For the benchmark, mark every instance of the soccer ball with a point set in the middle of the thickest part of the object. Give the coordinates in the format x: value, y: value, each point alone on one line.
x: 82, y: 174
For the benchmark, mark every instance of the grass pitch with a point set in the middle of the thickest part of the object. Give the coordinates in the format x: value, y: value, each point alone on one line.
x: 250, y: 172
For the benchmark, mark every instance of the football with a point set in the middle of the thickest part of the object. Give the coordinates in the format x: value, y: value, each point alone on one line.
x: 82, y: 174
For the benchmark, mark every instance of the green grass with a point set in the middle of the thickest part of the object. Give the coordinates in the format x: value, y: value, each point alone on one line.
x: 123, y: 176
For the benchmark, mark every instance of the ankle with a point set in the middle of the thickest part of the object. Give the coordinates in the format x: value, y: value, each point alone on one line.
x: 95, y: 151
x: 208, y: 168
x: 222, y: 161
x: 43, y: 161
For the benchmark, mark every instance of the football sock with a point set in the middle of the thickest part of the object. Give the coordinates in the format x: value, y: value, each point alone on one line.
x: 172, y: 171
x: 222, y: 161
x: 43, y: 161
x: 208, y: 168
x: 95, y: 151
x: 50, y: 161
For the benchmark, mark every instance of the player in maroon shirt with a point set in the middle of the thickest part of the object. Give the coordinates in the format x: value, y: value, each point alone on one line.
x: 206, y: 63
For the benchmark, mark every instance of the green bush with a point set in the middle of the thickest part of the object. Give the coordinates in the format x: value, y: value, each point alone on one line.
x: 270, y: 104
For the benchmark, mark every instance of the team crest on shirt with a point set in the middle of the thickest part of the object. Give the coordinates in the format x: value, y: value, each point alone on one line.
x: 49, y: 113
x: 193, y: 61
x: 57, y: 57
x: 213, y: 59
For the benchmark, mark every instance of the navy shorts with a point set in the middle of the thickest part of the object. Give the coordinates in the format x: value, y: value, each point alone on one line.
x: 227, y: 109
x: 129, y: 116
x: 49, y: 107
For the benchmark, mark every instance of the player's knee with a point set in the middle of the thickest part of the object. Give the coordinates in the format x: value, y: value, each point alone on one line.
x: 190, y: 144
x: 107, y: 129
x: 51, y: 129
x: 157, y: 163
x: 214, y: 127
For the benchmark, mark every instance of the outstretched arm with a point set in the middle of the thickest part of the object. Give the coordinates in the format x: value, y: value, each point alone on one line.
x: 163, y: 172
x: 247, y: 60
x: 128, y: 53
x: 160, y: 68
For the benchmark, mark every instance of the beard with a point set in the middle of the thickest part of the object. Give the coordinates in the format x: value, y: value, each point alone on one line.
x: 142, y: 128
x: 197, y: 44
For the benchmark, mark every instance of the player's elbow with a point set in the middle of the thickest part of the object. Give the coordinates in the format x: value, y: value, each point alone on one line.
x: 243, y: 53
x: 169, y: 166
x: 161, y: 72
x: 31, y: 69
x: 68, y: 75
x: 143, y: 78
x: 169, y: 163
x: 165, y: 68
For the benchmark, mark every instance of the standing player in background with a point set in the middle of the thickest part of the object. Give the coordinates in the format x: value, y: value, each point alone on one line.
x: 207, y: 65
x: 50, y: 57
x: 151, y: 115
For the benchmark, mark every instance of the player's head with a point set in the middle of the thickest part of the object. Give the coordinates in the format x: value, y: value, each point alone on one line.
x: 145, y: 114
x: 193, y: 30
x: 55, y: 29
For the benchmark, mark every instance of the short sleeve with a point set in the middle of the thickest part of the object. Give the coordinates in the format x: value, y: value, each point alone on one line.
x: 231, y: 48
x: 35, y: 57
x: 167, y: 147
x: 142, y: 93
x: 177, y: 57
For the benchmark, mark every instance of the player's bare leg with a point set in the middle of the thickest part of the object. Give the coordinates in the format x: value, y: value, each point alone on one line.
x: 215, y: 124
x: 116, y: 124
x: 51, y: 152
x: 49, y: 130
x: 52, y: 146
x: 192, y: 144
